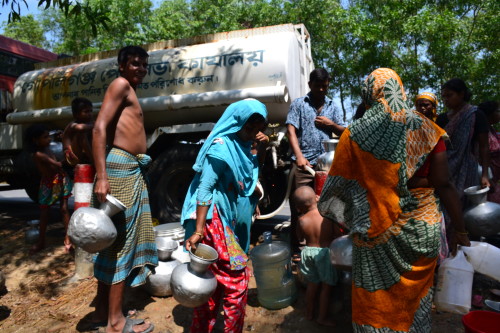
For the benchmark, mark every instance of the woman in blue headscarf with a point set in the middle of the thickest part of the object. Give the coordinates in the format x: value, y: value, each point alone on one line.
x: 225, y: 170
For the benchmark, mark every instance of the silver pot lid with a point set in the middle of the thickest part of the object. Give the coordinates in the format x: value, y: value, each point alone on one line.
x: 169, y: 229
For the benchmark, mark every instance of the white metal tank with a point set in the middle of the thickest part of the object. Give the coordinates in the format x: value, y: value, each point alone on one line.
x: 270, y: 64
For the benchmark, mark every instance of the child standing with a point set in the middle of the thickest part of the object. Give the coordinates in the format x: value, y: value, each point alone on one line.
x: 315, y: 264
x: 77, y: 136
x: 55, y: 184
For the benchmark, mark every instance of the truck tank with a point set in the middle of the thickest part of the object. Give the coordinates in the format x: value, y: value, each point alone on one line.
x: 262, y: 63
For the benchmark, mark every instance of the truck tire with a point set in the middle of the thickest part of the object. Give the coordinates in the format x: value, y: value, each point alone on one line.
x: 31, y: 188
x: 169, y: 177
x: 26, y: 175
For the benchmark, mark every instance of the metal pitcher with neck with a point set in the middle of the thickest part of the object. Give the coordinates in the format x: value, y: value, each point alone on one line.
x: 193, y: 283
x: 92, y: 228
x: 32, y: 234
x: 483, y: 217
x: 325, y: 160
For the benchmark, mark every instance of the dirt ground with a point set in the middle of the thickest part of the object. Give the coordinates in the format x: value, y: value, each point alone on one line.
x: 39, y: 297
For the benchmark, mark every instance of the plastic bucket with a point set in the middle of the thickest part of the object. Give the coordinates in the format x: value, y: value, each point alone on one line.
x: 481, y: 322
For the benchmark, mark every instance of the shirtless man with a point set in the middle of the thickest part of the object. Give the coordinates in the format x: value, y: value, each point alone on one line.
x: 119, y: 146
x: 76, y: 137
x: 315, y: 264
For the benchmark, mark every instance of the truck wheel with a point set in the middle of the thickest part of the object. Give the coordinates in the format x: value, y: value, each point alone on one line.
x: 32, y: 188
x: 26, y: 175
x: 169, y: 177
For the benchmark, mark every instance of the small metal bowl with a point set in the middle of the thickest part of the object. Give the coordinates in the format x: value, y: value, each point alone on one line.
x: 165, y: 247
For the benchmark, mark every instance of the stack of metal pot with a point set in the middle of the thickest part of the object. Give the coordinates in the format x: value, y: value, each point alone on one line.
x: 158, y: 284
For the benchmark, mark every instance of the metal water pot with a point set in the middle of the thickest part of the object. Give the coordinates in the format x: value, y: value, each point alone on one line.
x: 341, y: 253
x: 192, y: 283
x: 483, y: 217
x: 158, y: 284
x: 32, y: 234
x: 92, y: 228
x: 325, y: 160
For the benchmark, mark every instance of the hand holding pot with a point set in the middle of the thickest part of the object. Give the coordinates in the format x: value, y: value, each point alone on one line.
x: 197, y: 236
x: 192, y: 241
x: 102, y: 189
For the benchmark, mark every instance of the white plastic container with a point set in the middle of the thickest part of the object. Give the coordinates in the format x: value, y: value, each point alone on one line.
x: 485, y: 258
x: 454, y: 287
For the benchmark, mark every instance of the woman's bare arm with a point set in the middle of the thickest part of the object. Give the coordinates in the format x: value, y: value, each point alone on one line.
x: 439, y: 178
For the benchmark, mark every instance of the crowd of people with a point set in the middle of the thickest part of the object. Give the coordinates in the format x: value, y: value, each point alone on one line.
x: 396, y: 184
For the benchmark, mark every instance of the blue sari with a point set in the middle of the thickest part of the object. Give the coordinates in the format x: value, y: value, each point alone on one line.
x: 226, y: 164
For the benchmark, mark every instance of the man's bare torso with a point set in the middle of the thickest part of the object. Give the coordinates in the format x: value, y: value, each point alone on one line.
x: 127, y: 129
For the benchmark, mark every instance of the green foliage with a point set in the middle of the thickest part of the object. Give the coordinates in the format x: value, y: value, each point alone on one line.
x: 94, y: 14
x: 27, y: 30
x: 75, y: 34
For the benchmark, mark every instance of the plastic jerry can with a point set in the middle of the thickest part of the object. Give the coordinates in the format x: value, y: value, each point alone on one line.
x: 454, y: 285
x: 272, y: 264
x: 485, y: 258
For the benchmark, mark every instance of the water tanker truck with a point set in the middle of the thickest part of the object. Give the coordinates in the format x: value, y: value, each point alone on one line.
x: 189, y: 84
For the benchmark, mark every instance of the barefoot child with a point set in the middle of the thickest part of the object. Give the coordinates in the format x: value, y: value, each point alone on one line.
x: 55, y: 184
x: 77, y: 134
x: 315, y: 264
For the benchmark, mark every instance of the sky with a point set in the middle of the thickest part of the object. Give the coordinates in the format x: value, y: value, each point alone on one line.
x: 4, y: 11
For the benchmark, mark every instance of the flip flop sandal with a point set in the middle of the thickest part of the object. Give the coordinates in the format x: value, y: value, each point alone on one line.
x: 130, y: 323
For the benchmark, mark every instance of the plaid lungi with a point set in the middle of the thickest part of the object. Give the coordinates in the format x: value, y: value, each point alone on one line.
x: 132, y: 256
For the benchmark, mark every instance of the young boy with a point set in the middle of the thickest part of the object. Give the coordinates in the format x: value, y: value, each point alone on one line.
x: 77, y: 135
x: 55, y: 184
x: 120, y: 171
x: 315, y: 264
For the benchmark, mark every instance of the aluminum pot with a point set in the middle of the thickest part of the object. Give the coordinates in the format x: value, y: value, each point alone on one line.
x: 165, y: 247
x: 158, y: 284
x: 483, y: 217
x: 341, y: 253
x: 32, y: 234
x: 325, y: 160
x: 192, y: 283
x: 91, y: 228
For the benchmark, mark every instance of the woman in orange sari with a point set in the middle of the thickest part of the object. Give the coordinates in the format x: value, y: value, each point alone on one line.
x: 393, y: 215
